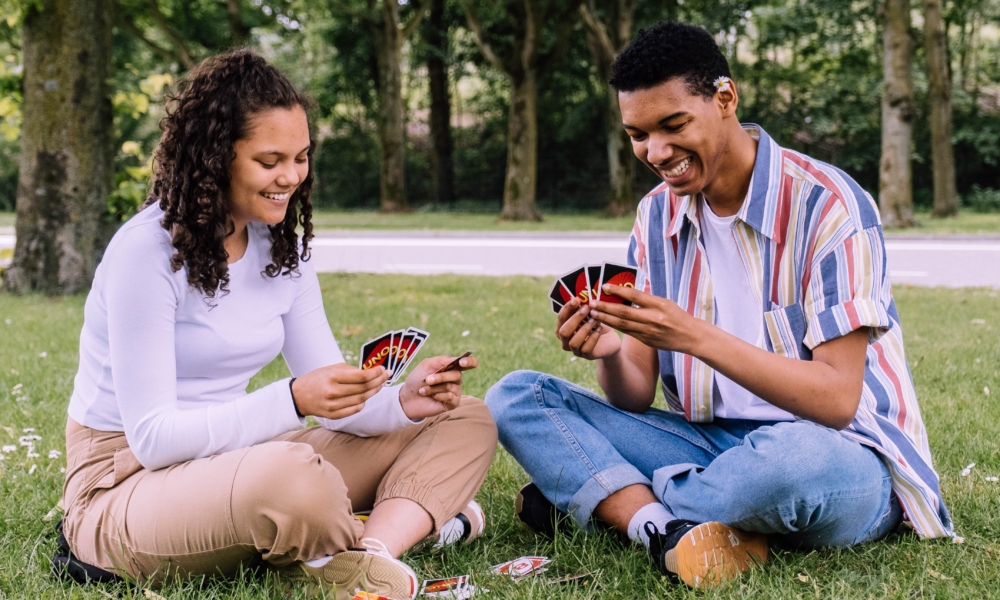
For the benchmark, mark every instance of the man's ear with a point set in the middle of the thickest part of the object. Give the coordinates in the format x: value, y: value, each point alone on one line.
x: 727, y: 100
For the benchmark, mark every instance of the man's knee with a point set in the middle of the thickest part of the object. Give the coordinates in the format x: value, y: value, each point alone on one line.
x: 516, y: 389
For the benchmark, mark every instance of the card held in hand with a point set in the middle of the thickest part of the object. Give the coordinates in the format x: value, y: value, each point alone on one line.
x: 375, y: 352
x: 615, y: 274
x: 576, y: 282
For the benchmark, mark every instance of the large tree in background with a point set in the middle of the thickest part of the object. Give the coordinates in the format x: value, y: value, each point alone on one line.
x: 523, y: 39
x: 66, y: 165
x: 895, y: 171
x: 609, y: 28
x: 382, y: 17
x: 442, y: 148
x: 939, y: 90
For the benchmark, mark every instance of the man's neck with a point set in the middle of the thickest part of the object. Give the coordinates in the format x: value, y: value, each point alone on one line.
x: 726, y: 193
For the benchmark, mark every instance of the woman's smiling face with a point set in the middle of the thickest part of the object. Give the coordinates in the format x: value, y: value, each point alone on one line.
x: 269, y: 165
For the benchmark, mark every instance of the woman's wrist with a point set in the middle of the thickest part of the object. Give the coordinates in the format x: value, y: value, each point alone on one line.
x: 295, y: 404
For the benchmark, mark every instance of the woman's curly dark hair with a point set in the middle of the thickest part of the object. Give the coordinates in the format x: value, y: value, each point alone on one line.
x: 210, y: 113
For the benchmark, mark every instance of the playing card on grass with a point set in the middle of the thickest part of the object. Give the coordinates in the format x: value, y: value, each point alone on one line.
x: 520, y: 568
x: 451, y: 587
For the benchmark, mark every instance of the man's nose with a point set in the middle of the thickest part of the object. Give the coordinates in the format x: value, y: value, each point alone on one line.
x: 659, y: 151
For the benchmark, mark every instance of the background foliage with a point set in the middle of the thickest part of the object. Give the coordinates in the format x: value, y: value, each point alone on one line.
x: 809, y: 72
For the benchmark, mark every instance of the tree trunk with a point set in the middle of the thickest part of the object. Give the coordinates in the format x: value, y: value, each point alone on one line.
x: 437, y: 70
x: 240, y: 32
x: 66, y: 168
x: 621, y: 161
x: 391, y: 132
x: 939, y: 88
x: 522, y: 151
x: 605, y: 41
x: 895, y: 174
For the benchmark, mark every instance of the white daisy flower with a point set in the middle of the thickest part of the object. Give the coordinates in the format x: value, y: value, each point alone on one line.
x: 54, y: 454
x: 722, y: 84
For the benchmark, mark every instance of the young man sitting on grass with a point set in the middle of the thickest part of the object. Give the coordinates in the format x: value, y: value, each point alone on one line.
x: 763, y: 304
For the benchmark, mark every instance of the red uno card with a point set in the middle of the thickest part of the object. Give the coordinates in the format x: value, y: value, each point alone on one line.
x: 375, y: 352
x: 616, y: 275
x: 522, y: 567
x: 413, y: 339
x: 577, y: 284
x: 594, y: 281
x: 452, y: 587
x: 559, y: 296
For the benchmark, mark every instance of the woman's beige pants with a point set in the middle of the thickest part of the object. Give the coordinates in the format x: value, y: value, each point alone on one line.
x: 289, y: 499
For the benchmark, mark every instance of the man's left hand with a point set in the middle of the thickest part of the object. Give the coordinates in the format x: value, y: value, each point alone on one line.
x: 426, y: 393
x: 656, y: 322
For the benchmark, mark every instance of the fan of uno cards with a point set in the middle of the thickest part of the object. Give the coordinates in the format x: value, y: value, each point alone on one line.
x: 393, y: 350
x: 587, y: 281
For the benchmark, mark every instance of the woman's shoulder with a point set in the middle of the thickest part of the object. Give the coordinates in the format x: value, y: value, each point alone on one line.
x: 142, y: 240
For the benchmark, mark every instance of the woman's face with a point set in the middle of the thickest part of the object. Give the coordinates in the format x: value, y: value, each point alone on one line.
x: 270, y: 163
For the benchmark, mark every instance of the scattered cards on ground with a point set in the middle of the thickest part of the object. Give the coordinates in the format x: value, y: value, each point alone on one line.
x: 520, y: 568
x: 393, y: 350
x: 452, y: 587
x: 588, y: 281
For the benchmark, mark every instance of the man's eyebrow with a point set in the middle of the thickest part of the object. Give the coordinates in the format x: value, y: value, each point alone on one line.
x: 662, y: 121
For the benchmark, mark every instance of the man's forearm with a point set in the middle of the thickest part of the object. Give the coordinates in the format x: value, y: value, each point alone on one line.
x: 628, y: 381
x: 825, y: 390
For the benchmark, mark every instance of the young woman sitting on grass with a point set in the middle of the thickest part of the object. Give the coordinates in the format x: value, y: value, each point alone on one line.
x: 173, y: 468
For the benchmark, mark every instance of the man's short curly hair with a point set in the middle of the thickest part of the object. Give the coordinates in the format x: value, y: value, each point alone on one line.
x: 212, y: 111
x: 667, y: 50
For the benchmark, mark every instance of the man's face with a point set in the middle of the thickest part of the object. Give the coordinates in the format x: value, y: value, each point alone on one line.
x: 678, y: 134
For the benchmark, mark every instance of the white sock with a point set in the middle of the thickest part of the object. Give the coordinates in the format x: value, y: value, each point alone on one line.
x: 318, y: 562
x: 451, y: 532
x: 653, y: 512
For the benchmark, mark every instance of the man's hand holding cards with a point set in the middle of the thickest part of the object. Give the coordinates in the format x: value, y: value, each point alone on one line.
x: 573, y: 296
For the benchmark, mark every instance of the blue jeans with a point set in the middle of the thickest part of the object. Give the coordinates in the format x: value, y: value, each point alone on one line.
x: 804, y: 484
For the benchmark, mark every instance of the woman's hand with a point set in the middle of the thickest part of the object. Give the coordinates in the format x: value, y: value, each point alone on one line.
x: 426, y: 393
x: 337, y: 391
x: 582, y: 335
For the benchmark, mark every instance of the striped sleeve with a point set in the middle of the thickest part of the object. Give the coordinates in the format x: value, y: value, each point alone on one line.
x: 848, y: 289
x: 637, y: 248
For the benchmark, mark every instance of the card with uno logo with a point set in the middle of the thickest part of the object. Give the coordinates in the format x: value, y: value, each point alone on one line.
x: 616, y: 275
x: 375, y: 352
x: 577, y: 284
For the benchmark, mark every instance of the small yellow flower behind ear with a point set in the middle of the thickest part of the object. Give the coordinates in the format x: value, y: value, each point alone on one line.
x: 722, y: 84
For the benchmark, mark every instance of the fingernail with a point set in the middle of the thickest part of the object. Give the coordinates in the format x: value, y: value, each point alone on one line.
x: 422, y: 391
x: 430, y: 380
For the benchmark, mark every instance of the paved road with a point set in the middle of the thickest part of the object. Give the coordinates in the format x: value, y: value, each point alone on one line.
x: 951, y: 261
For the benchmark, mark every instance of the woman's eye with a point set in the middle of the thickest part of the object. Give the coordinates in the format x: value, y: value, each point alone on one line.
x: 302, y: 160
x: 267, y: 165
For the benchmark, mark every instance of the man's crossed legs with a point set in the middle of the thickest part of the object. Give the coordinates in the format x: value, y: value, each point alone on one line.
x: 802, y: 484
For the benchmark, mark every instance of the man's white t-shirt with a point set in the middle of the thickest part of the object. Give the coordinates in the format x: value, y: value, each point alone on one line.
x: 737, y: 312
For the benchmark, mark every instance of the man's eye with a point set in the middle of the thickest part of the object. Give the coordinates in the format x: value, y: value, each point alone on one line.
x: 674, y: 128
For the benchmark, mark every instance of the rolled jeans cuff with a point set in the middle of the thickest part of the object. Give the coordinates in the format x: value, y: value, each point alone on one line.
x: 663, y: 475
x: 599, y: 487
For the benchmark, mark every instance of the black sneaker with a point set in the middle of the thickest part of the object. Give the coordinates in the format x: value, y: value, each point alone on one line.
x: 704, y: 554
x: 537, y: 512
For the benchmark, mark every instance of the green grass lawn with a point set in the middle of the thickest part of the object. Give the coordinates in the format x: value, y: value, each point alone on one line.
x: 965, y: 223
x: 954, y: 351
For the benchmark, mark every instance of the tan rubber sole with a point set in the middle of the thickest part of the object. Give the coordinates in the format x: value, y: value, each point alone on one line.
x: 713, y: 553
x: 367, y: 572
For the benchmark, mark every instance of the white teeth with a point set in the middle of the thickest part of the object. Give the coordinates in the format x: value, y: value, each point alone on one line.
x: 278, y: 197
x: 679, y: 169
